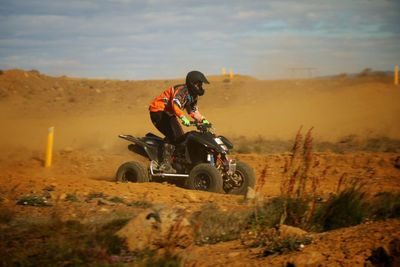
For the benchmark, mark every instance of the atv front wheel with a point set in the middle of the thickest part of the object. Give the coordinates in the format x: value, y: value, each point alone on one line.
x: 132, y: 171
x: 205, y: 177
x: 242, y: 178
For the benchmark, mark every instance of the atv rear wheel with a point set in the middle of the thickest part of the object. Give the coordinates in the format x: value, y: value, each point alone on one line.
x: 243, y: 177
x: 132, y: 171
x: 205, y: 177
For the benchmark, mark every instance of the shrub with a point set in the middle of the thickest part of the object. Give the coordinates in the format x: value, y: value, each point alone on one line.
x: 71, y: 198
x: 244, y: 149
x: 38, y: 201
x: 116, y: 200
x: 153, y: 259
x: 33, y: 71
x: 213, y: 225
x: 296, y: 212
x: 105, y: 236
x: 385, y: 205
x: 270, y: 213
x: 94, y: 195
x: 6, y: 215
x: 58, y: 243
x: 276, y: 245
x: 140, y: 204
x: 365, y: 72
x: 267, y: 215
x: 346, y: 209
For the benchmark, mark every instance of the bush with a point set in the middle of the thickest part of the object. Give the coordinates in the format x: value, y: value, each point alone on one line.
x: 365, y: 72
x: 213, y: 225
x: 37, y: 201
x: 385, y: 205
x: 169, y: 260
x: 267, y: 215
x: 140, y: 204
x: 105, y: 236
x: 94, y: 195
x: 57, y: 243
x: 71, y: 198
x: 116, y: 200
x: 276, y: 245
x: 346, y: 209
x: 6, y: 215
x: 270, y: 213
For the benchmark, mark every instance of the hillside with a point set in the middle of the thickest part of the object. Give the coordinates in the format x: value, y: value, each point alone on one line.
x: 356, y: 132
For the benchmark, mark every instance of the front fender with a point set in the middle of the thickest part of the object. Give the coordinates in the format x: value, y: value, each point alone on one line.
x: 225, y: 140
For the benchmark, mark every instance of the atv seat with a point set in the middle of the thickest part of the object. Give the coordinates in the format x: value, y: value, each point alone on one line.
x: 153, y: 139
x: 151, y: 135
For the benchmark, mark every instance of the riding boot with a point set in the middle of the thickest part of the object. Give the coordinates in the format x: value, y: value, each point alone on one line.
x: 166, y: 166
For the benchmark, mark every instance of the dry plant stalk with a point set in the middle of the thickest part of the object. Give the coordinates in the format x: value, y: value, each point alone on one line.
x: 262, y: 180
x: 341, y: 182
x: 291, y: 171
x: 311, y: 210
x: 259, y: 186
x: 306, y: 164
x: 175, y: 239
x: 296, y: 173
x: 292, y: 167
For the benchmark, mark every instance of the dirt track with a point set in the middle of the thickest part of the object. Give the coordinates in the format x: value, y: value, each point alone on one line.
x: 89, y: 114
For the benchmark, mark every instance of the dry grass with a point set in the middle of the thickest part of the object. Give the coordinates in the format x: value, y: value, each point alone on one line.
x: 57, y: 243
x: 385, y: 205
x: 213, y: 225
x: 34, y: 200
x: 347, y: 208
x: 6, y: 215
x: 296, y: 176
x: 345, y: 144
x: 262, y: 180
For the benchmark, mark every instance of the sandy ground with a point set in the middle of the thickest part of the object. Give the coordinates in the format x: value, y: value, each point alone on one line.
x: 89, y: 114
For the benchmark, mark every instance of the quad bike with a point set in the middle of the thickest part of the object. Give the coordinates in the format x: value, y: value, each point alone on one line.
x: 200, y: 158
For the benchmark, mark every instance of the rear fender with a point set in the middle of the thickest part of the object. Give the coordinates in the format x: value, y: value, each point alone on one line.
x: 139, y: 146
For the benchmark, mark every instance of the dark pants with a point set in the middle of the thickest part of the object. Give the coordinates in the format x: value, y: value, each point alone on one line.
x: 168, y: 125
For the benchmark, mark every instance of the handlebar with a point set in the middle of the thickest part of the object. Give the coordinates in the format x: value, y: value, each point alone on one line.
x: 197, y: 123
x: 203, y: 127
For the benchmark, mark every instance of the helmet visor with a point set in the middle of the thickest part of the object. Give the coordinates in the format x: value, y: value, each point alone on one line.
x: 204, y: 79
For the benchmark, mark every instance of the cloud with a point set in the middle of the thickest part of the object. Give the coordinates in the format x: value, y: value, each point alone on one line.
x: 166, y: 37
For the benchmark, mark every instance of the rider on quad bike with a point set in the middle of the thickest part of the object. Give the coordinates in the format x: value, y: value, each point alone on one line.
x: 198, y: 158
x: 169, y: 105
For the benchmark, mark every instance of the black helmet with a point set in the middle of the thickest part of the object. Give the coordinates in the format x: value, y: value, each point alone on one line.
x: 194, y: 80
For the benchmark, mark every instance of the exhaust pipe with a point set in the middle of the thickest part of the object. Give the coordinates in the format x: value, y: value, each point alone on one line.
x: 165, y: 174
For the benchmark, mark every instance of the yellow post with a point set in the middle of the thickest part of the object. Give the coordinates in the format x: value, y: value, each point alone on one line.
x: 230, y: 73
x: 396, y: 75
x: 49, y: 150
x: 223, y: 71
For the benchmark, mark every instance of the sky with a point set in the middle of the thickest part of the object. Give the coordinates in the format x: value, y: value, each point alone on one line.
x: 157, y: 39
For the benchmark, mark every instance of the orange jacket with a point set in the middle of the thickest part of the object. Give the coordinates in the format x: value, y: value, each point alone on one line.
x: 174, y: 100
